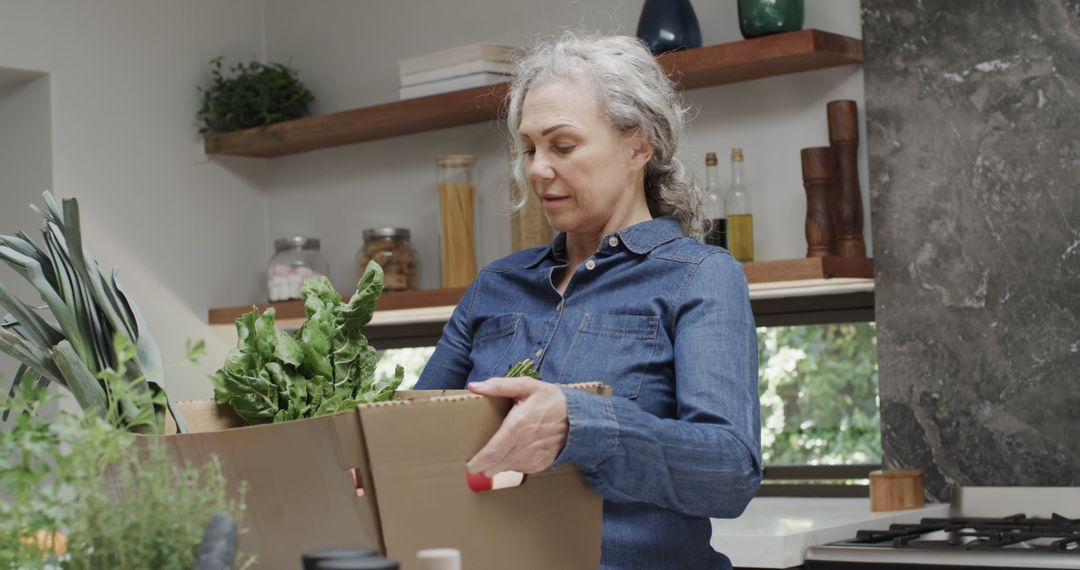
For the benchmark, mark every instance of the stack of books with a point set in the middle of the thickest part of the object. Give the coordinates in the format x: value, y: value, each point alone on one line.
x: 454, y: 69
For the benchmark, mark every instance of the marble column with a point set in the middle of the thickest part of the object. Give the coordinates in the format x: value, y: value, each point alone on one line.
x: 973, y: 123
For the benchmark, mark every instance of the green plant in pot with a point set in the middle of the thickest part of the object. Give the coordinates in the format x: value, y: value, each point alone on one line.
x: 251, y: 95
x: 81, y: 491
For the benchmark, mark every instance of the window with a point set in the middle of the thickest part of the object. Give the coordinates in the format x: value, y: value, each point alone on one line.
x: 818, y: 385
x: 819, y: 398
x: 411, y: 359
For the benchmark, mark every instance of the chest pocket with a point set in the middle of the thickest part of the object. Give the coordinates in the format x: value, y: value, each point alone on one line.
x: 614, y: 349
x: 490, y: 345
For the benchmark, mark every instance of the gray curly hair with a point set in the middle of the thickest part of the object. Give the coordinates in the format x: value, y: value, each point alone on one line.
x: 634, y: 92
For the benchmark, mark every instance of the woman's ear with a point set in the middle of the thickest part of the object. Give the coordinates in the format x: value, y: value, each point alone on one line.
x: 639, y: 150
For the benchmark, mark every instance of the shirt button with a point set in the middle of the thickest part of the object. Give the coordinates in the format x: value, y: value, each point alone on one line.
x: 558, y: 307
x: 613, y: 241
x: 590, y: 265
x: 539, y: 352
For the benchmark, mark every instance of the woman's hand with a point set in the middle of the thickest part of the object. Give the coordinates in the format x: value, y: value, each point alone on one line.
x: 533, y: 433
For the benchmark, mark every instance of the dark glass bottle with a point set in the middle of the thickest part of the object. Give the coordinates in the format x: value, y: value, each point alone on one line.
x: 669, y: 25
x: 714, y: 204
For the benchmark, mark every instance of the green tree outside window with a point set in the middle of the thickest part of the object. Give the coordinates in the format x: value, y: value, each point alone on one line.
x: 818, y: 387
x: 819, y: 398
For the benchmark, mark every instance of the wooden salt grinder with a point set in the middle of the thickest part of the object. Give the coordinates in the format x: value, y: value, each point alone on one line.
x: 817, y: 173
x: 896, y: 489
x: 844, y: 138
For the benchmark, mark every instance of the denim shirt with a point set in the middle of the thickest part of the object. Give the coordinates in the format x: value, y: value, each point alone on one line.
x: 666, y: 322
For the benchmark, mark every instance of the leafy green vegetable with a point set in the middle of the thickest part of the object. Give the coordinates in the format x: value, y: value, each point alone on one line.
x: 90, y: 311
x: 523, y: 368
x: 326, y: 367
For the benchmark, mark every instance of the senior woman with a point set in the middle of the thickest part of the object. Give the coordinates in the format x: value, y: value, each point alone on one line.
x: 625, y: 294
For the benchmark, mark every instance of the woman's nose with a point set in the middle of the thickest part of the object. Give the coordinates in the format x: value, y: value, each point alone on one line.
x: 540, y: 168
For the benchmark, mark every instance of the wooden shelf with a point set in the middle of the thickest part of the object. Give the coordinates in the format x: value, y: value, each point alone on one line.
x: 807, y: 268
x: 287, y: 311
x: 769, y: 56
x: 769, y: 280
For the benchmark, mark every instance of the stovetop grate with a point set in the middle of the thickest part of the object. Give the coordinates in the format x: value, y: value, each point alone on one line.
x: 1014, y: 533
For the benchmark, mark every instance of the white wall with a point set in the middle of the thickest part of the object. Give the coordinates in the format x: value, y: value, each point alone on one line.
x: 25, y: 156
x: 25, y: 169
x: 347, y: 53
x: 122, y: 75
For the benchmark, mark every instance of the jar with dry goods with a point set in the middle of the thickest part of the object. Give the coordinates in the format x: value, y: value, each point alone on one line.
x: 295, y: 259
x: 457, y: 219
x: 390, y: 248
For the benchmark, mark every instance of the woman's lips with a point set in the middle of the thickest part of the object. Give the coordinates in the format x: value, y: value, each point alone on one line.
x: 553, y: 200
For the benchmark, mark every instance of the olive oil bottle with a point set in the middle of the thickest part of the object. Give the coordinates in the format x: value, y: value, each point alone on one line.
x: 740, y: 220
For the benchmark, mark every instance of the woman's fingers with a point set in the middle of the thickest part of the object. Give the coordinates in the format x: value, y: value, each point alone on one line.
x: 502, y: 443
x: 533, y: 433
x: 516, y: 388
x: 497, y: 449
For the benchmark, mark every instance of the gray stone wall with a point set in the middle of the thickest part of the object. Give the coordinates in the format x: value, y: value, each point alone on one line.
x: 973, y: 120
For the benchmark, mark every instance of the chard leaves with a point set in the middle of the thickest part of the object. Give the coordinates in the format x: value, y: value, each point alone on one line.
x: 326, y: 367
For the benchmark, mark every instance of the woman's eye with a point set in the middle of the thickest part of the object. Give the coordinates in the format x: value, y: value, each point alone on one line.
x: 564, y: 149
x: 529, y: 151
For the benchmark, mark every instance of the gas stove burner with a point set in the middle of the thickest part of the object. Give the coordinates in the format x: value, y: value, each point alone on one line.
x: 974, y: 536
x: 1014, y: 532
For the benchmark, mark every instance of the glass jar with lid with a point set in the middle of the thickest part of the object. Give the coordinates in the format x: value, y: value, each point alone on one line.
x: 457, y: 219
x: 390, y: 248
x: 295, y: 259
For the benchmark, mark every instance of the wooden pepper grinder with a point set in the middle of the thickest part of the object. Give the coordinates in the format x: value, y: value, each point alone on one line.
x: 844, y: 138
x: 817, y: 173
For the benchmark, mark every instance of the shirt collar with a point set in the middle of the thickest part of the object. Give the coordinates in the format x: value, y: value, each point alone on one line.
x: 644, y: 237
x: 640, y: 238
x: 556, y: 250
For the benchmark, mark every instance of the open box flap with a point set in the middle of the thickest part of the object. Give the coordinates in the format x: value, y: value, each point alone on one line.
x: 418, y: 450
x: 299, y: 477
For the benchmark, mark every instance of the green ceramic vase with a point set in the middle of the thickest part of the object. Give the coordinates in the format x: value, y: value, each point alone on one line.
x: 763, y: 17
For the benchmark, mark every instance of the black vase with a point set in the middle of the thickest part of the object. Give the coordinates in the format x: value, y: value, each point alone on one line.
x: 669, y: 25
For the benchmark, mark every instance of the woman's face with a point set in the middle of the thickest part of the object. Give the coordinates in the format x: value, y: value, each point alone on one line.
x: 588, y: 176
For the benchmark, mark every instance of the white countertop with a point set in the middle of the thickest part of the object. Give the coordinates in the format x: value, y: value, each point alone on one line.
x: 774, y: 532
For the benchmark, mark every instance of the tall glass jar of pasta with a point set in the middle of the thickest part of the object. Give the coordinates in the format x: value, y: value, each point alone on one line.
x: 457, y: 219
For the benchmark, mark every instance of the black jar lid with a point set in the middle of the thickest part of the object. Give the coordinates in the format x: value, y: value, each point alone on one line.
x: 358, y: 564
x: 312, y: 558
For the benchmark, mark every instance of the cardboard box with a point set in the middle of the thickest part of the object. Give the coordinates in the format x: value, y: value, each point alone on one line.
x: 391, y: 476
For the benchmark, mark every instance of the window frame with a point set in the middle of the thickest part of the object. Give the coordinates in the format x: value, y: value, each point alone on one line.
x: 816, y: 480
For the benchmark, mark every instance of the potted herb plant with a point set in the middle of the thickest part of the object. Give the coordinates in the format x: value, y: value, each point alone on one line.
x: 250, y: 95
x: 82, y: 491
